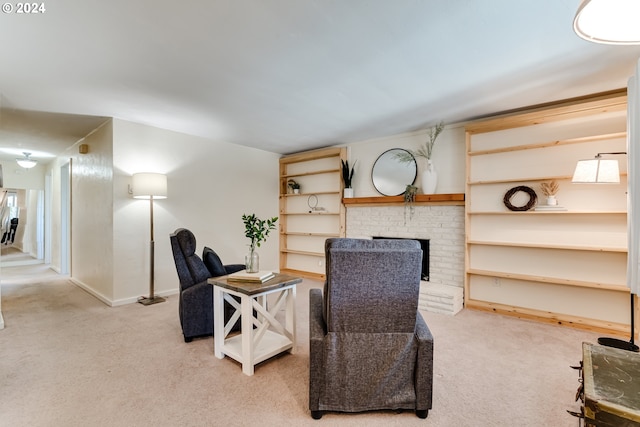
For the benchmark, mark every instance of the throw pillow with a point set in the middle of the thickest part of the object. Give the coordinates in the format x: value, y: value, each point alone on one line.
x: 213, y: 262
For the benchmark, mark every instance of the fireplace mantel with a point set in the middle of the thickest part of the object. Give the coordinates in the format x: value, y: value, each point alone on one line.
x: 454, y: 199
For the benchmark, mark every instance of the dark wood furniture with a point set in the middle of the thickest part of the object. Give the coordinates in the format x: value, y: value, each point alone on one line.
x: 611, y: 386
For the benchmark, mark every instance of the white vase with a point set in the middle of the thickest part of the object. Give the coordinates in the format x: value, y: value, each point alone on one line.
x: 348, y: 193
x: 552, y: 201
x: 429, y: 179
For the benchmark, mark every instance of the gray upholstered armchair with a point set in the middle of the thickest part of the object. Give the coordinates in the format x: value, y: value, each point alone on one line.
x: 196, y: 295
x: 370, y: 348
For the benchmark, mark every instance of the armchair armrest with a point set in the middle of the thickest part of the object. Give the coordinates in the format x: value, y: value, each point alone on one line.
x: 316, y: 339
x: 233, y: 268
x: 424, y: 365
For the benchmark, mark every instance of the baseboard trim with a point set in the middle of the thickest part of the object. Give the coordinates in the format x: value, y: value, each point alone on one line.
x: 91, y: 291
x: 119, y: 302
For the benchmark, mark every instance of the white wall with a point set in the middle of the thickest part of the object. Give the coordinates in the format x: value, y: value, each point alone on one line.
x: 448, y: 158
x: 92, y: 250
x: 16, y: 177
x: 210, y: 185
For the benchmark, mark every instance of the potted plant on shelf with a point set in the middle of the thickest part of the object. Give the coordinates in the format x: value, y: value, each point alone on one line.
x: 429, y: 178
x: 347, y: 177
x: 256, y: 230
x: 409, y: 198
x: 295, y: 187
x: 550, y: 189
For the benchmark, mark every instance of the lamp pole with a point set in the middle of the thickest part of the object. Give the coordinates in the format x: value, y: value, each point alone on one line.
x: 150, y: 186
x: 152, y: 298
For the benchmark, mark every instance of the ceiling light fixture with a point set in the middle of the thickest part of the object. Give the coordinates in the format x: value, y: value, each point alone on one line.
x: 26, y: 161
x: 608, y: 21
x: 597, y: 170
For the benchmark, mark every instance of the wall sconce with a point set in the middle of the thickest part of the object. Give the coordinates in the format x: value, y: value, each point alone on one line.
x: 608, y: 21
x: 150, y: 186
x: 597, y: 170
x: 26, y: 162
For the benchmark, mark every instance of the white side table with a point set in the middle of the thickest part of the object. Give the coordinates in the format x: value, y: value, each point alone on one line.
x: 269, y: 337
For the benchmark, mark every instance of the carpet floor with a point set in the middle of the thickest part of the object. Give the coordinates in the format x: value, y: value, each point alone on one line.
x: 66, y: 359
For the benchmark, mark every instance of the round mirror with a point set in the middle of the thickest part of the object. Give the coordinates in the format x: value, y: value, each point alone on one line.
x: 390, y: 175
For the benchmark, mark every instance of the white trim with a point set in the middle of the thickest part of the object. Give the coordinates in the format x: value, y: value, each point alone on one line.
x: 116, y: 303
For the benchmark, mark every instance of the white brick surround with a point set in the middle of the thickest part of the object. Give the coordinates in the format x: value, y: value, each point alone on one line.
x: 442, y: 225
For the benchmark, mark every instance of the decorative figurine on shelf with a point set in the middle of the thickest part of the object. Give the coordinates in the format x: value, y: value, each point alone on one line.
x: 257, y: 230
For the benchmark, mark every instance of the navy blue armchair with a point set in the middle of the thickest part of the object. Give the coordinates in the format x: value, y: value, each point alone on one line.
x: 196, y: 295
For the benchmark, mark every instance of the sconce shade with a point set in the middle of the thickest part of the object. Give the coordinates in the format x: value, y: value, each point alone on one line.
x: 608, y: 21
x: 596, y: 171
x: 26, y: 162
x: 149, y: 185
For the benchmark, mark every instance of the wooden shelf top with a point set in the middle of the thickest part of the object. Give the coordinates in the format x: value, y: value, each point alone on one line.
x: 444, y: 199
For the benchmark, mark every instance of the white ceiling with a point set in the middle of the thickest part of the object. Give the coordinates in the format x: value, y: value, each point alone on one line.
x: 288, y: 75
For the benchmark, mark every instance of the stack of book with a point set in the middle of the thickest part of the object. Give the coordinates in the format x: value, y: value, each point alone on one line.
x: 243, y: 276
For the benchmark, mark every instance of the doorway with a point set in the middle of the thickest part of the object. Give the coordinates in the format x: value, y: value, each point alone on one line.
x: 22, y: 227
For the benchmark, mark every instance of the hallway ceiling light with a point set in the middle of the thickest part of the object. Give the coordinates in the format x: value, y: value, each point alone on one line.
x: 26, y: 161
x: 608, y: 21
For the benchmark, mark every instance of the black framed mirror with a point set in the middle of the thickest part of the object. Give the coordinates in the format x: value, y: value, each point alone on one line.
x: 390, y: 175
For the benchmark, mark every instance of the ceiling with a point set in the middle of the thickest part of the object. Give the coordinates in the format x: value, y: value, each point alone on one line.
x: 288, y: 75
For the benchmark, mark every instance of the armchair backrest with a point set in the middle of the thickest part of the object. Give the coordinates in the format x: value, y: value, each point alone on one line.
x: 372, y: 285
x: 191, y: 269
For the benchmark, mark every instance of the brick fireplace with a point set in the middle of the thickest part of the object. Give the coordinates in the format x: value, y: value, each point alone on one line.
x: 441, y: 224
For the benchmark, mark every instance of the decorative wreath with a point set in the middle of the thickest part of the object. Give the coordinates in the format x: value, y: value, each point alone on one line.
x: 533, y: 198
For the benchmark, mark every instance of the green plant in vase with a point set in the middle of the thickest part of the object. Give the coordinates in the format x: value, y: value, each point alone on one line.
x: 347, y: 177
x: 257, y: 230
x: 295, y: 187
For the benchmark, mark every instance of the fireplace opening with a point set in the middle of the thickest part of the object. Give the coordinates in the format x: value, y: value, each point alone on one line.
x: 424, y: 245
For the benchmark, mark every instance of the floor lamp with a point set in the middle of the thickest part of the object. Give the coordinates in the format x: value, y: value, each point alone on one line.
x: 606, y: 171
x: 609, y: 22
x: 150, y: 186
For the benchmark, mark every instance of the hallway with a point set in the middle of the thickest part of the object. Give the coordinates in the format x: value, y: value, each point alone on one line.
x: 12, y: 257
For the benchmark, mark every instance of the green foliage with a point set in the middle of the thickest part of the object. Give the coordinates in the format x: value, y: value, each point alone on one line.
x: 410, y: 193
x: 293, y: 184
x: 258, y: 229
x: 427, y: 149
x: 347, y: 173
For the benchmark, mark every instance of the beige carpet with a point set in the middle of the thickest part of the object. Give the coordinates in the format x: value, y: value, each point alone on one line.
x: 66, y: 359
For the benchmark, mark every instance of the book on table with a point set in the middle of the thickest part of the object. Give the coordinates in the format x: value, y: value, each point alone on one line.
x: 243, y: 276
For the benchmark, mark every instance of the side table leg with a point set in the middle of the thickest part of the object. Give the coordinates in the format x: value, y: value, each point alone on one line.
x: 218, y: 322
x: 247, y: 335
x: 290, y: 316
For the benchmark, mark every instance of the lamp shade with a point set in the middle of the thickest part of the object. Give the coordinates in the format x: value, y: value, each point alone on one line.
x: 608, y: 21
x: 149, y: 185
x: 596, y: 171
